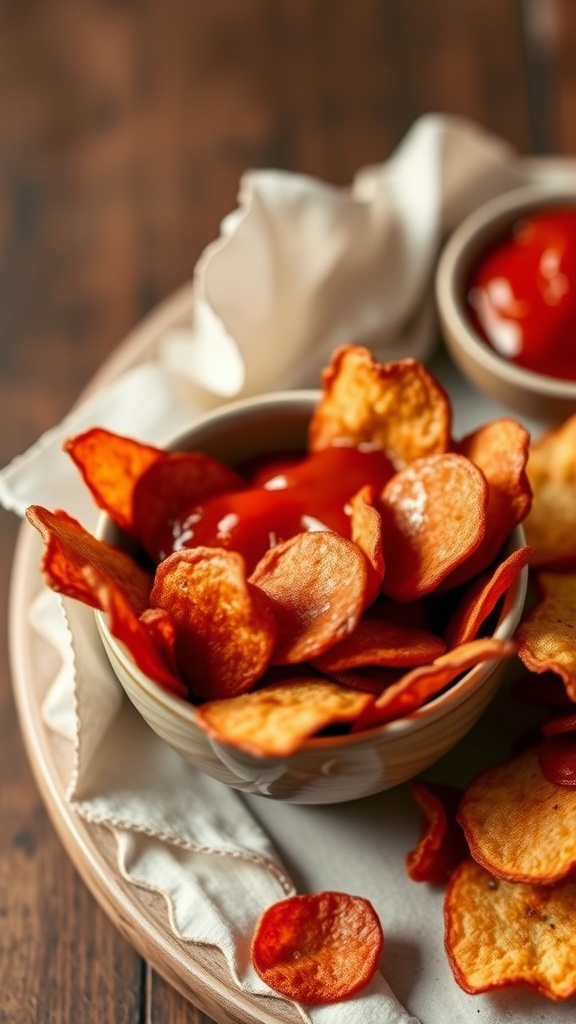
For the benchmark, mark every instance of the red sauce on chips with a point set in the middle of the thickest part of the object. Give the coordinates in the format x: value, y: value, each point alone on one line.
x: 285, y: 496
x: 522, y: 294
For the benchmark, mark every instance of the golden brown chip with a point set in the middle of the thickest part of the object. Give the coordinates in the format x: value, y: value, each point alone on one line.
x: 518, y: 825
x: 501, y: 933
x: 224, y: 631
x: 398, y: 405
x: 547, y: 638
x: 433, y: 519
x: 551, y: 524
x: 276, y: 720
x: 316, y: 584
x: 366, y: 532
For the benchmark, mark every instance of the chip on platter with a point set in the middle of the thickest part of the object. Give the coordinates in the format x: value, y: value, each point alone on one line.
x: 500, y: 933
x: 319, y: 948
x: 518, y: 825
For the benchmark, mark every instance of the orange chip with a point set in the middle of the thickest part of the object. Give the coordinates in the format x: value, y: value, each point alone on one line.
x: 441, y: 846
x: 519, y: 825
x: 316, y: 584
x: 500, y: 450
x: 398, y: 406
x: 144, y: 488
x: 546, y: 636
x: 433, y: 519
x: 224, y: 631
x: 319, y: 948
x: 551, y: 524
x: 501, y: 933
x: 69, y: 549
x: 366, y: 532
x: 422, y: 684
x: 367, y: 680
x: 110, y: 465
x: 275, y: 721
x: 378, y: 641
x: 150, y: 638
x: 481, y: 597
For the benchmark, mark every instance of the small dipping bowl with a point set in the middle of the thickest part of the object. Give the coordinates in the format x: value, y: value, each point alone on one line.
x: 326, y: 769
x: 532, y: 394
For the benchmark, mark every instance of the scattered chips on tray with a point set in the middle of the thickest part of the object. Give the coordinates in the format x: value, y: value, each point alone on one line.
x: 319, y: 948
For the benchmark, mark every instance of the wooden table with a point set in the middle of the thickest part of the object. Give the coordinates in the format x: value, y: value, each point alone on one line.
x: 124, y: 128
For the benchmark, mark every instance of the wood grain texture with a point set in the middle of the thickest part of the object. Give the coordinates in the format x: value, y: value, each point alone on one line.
x: 124, y: 128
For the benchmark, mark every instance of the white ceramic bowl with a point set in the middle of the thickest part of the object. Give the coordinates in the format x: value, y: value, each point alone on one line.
x: 531, y: 394
x: 327, y: 769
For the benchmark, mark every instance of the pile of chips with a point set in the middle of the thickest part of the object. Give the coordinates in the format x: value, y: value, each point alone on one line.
x: 326, y: 631
x: 507, y: 842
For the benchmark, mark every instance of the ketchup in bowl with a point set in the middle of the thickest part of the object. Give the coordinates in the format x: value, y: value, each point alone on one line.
x: 522, y: 293
x: 283, y: 496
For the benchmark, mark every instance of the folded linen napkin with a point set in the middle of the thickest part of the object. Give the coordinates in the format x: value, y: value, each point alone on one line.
x: 319, y: 266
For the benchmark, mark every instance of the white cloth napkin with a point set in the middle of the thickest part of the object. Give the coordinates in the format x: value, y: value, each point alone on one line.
x: 299, y: 268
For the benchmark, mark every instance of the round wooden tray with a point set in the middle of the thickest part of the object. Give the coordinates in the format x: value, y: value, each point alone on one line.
x: 200, y: 973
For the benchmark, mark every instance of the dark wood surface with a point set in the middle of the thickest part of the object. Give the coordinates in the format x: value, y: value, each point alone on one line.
x: 124, y: 128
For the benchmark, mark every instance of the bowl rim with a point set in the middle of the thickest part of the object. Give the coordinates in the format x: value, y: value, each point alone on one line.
x: 436, y: 708
x: 465, y: 242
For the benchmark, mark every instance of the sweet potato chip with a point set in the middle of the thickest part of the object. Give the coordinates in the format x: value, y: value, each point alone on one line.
x: 433, y: 519
x: 275, y: 721
x: 557, y: 759
x: 110, y: 465
x: 150, y: 638
x: 425, y: 682
x: 69, y: 549
x: 316, y: 584
x: 546, y: 640
x: 367, y: 680
x: 378, y: 641
x: 501, y: 933
x: 366, y: 532
x: 398, y: 406
x: 224, y: 631
x: 551, y: 524
x: 481, y: 597
x: 441, y: 846
x: 518, y: 825
x: 500, y: 450
x: 318, y: 948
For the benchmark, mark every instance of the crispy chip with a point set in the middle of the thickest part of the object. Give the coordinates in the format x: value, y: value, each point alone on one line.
x: 425, y: 682
x: 501, y: 933
x: 399, y: 406
x: 546, y: 636
x: 110, y: 465
x: 69, y: 549
x: 316, y: 584
x: 366, y: 532
x: 441, y: 846
x: 379, y: 641
x: 276, y: 720
x: 518, y: 825
x: 433, y: 519
x: 551, y: 524
x: 318, y: 948
x: 500, y: 450
x: 224, y: 631
x: 481, y: 597
x: 150, y: 638
x: 557, y: 759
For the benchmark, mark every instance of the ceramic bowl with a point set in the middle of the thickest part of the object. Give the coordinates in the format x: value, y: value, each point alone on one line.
x: 531, y: 394
x: 326, y: 769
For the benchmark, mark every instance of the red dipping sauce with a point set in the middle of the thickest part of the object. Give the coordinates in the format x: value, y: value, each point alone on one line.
x: 522, y: 294
x: 284, y: 495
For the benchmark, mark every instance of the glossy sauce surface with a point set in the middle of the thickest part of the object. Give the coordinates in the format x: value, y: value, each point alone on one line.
x: 522, y: 294
x: 285, y: 495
